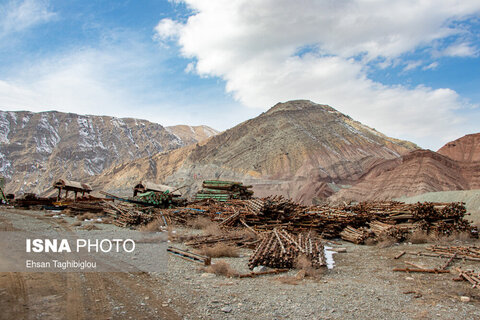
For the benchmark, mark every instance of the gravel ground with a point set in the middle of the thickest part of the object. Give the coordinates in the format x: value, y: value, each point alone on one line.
x: 362, y: 285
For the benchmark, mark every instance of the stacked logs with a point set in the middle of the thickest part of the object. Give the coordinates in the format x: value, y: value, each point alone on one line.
x: 357, y: 236
x: 280, y: 249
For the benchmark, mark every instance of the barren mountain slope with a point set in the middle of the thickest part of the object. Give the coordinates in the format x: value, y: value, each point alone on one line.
x: 36, y: 148
x: 298, y: 149
x: 466, y: 148
x: 192, y: 134
x: 418, y: 172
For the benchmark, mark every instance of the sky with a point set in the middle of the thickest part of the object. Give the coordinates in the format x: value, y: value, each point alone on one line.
x: 409, y: 68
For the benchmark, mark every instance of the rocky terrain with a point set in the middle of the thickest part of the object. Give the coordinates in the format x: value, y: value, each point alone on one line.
x: 453, y: 167
x: 466, y: 148
x: 299, y: 149
x: 192, y: 134
x: 36, y: 148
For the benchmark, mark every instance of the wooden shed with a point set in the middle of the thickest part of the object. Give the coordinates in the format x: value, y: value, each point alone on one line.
x: 74, y: 186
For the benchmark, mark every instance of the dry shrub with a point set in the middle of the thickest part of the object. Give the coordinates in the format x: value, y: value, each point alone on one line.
x: 219, y: 250
x: 68, y: 212
x: 245, y: 233
x: 76, y: 224
x: 304, y: 264
x: 49, y: 214
x: 200, y: 222
x: 457, y: 236
x: 419, y: 236
x: 213, y: 229
x: 153, y: 226
x: 370, y: 241
x: 90, y: 227
x: 221, y: 268
x: 385, y: 241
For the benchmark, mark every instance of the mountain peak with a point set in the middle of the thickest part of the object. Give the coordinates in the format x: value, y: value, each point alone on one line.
x: 295, y: 105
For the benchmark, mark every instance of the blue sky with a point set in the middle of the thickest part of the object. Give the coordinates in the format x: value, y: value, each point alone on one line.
x: 408, y: 69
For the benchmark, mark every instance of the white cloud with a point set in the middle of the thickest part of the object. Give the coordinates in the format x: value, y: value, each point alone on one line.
x: 460, y: 50
x: 431, y: 66
x: 412, y: 65
x: 17, y: 16
x: 253, y: 45
x: 167, y: 29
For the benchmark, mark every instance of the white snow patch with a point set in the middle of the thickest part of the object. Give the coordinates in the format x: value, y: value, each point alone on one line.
x: 25, y: 120
x: 4, y: 127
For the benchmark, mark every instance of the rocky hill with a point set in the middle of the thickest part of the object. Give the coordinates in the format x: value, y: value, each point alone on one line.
x: 36, y: 148
x: 300, y: 149
x: 192, y: 134
x: 466, y: 148
x: 418, y: 172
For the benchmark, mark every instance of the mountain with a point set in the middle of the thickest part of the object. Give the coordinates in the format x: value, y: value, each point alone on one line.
x: 455, y: 166
x: 36, y: 148
x: 466, y: 148
x: 192, y: 134
x: 299, y: 149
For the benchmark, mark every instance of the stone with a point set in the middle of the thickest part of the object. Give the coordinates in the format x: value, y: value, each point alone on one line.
x: 227, y: 309
x: 207, y: 275
x: 465, y: 299
x: 260, y: 269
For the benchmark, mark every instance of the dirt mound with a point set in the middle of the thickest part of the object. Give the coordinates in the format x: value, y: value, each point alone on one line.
x: 466, y: 148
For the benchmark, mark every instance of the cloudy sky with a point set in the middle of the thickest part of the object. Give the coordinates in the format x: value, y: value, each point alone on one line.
x: 408, y: 68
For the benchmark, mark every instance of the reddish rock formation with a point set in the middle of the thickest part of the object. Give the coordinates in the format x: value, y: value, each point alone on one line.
x: 418, y: 172
x: 467, y: 148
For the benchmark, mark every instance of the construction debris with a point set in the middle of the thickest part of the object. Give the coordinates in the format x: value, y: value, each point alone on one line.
x: 280, y: 249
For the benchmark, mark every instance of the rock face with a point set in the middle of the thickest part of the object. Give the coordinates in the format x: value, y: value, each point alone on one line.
x: 192, y: 134
x: 36, y: 148
x: 466, y: 148
x: 416, y: 173
x: 299, y: 149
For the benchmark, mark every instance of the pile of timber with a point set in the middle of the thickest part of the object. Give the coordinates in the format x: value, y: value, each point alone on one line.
x: 399, y: 220
x: 470, y: 276
x: 280, y: 249
x: 128, y: 215
x: 77, y: 208
x: 224, y: 190
x: 357, y: 236
x: 31, y: 200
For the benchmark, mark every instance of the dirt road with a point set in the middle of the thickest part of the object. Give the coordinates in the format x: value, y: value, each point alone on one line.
x: 71, y: 295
